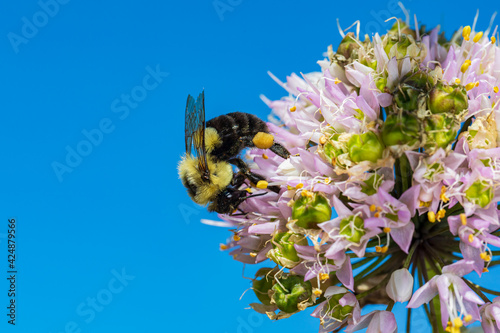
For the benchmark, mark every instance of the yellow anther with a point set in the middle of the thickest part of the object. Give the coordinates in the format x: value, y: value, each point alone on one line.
x: 249, y: 190
x: 317, y: 292
x: 448, y: 329
x: 262, y: 184
x: 466, y: 32
x: 431, y: 216
x: 253, y: 254
x: 299, y: 186
x: 495, y: 89
x: 264, y: 156
x: 425, y: 204
x: 468, y: 318
x: 477, y: 84
x: 465, y: 66
x: 324, y: 276
x: 377, y: 214
x: 485, y: 270
x: 289, y: 188
x: 378, y: 249
x: 493, y: 39
x: 455, y: 330
x: 485, y: 256
x: 328, y: 181
x: 372, y: 208
x: 337, y: 81
x: 384, y: 249
x: 387, y: 230
x: 322, y: 140
x: 457, y: 81
x: 441, y: 213
x: 236, y: 237
x: 471, y: 238
x: 223, y: 247
x: 478, y: 37
x: 457, y: 322
x: 443, y: 196
x: 463, y: 219
x: 293, y: 109
x: 379, y: 209
x: 469, y: 86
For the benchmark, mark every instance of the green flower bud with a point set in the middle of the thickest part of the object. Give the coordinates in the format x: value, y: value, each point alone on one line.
x: 290, y: 292
x: 406, y: 97
x: 402, y: 42
x: 401, y: 26
x: 441, y: 131
x: 400, y: 130
x: 479, y: 193
x: 337, y: 311
x: 283, y: 252
x: 365, y: 147
x: 262, y: 286
x: 348, y: 45
x: 310, y: 209
x: 448, y: 99
x: 352, y: 228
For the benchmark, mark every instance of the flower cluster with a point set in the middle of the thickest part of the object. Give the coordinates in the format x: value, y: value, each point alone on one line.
x: 397, y: 134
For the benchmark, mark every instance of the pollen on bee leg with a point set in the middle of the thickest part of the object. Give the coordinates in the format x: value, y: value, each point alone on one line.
x: 263, y: 140
x: 262, y: 184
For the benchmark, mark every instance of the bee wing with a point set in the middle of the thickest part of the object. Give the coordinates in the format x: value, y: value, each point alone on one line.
x: 195, y: 131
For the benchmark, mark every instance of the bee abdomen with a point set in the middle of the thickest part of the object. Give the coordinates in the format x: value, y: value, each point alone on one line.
x: 231, y: 128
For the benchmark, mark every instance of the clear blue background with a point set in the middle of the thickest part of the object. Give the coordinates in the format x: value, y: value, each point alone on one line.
x: 123, y: 206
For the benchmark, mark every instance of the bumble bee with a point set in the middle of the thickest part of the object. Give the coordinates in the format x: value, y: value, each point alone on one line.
x: 208, y: 175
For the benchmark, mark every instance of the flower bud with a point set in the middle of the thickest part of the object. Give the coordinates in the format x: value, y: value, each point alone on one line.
x: 262, y: 286
x: 283, y: 252
x: 365, y: 147
x: 400, y: 285
x: 348, y: 45
x: 400, y: 130
x: 448, y: 99
x: 352, y: 228
x: 479, y: 193
x: 402, y: 42
x: 441, y: 130
x: 401, y: 27
x: 291, y: 292
x: 311, y: 210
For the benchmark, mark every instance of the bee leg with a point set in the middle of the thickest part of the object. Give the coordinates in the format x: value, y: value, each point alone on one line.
x: 280, y: 150
x: 238, y: 180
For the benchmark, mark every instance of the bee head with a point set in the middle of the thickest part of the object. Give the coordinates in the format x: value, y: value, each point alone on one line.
x: 202, y: 187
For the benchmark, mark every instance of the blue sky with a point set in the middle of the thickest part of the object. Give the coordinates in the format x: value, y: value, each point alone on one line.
x: 108, y: 240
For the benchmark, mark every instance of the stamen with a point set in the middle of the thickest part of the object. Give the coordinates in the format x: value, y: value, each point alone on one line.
x: 465, y: 66
x: 324, y: 276
x: 495, y: 89
x: 249, y: 190
x: 485, y: 256
x: 264, y: 156
x: 372, y: 208
x: 457, y: 81
x: 468, y: 318
x: 441, y: 213
x: 485, y: 270
x: 466, y: 32
x: 293, y: 109
x: 493, y: 39
x: 469, y: 86
x: 457, y: 322
x: 317, y: 292
x: 478, y: 37
x: 299, y: 186
x: 471, y: 238
x: 337, y: 81
x: 223, y: 247
x: 431, y: 216
x: 253, y: 254
x: 236, y: 237
x: 384, y: 249
x: 443, y: 196
x: 463, y: 219
x: 322, y: 140
x: 387, y: 230
x: 378, y: 248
